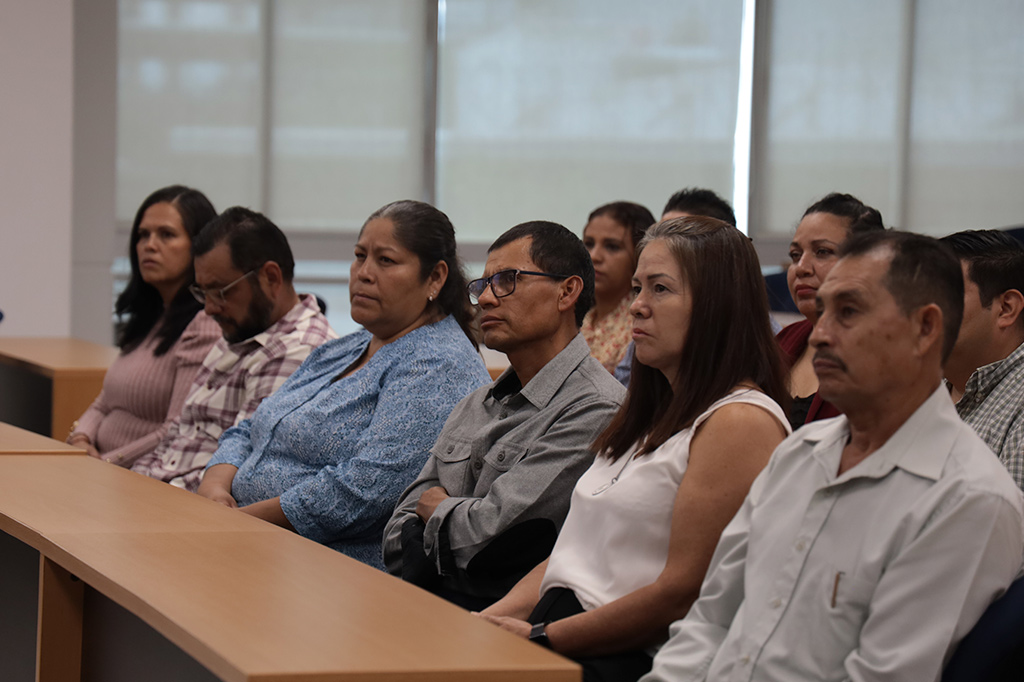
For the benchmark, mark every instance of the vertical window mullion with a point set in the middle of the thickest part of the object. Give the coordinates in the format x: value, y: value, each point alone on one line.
x: 904, y: 97
x: 744, y: 117
x: 265, y: 130
x: 431, y: 46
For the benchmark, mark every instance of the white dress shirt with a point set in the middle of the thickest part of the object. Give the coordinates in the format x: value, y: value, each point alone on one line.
x: 875, y: 574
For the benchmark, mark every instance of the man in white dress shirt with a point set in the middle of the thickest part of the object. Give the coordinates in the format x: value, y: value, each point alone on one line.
x: 872, y: 542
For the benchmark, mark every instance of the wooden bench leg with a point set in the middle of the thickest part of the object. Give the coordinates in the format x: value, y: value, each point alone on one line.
x: 59, y: 639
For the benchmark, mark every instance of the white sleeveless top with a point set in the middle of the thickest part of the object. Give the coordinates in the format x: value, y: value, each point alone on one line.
x: 615, y: 537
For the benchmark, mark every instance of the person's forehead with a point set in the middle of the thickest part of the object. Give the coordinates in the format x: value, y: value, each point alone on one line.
x: 512, y: 256
x: 215, y: 266
x: 160, y: 214
x: 862, y: 275
x: 606, y: 227
x: 657, y: 257
x: 821, y: 226
x: 379, y: 233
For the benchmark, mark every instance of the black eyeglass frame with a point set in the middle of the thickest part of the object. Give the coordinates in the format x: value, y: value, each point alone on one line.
x: 481, y: 284
x: 218, y: 296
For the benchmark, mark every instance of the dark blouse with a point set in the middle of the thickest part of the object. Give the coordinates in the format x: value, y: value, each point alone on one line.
x: 793, y: 340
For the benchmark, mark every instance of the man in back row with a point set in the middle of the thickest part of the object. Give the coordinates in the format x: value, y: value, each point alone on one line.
x: 986, y: 368
x: 872, y: 542
x: 244, y: 269
x: 492, y: 497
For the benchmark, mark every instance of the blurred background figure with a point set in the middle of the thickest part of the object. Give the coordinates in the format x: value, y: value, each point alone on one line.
x: 611, y: 236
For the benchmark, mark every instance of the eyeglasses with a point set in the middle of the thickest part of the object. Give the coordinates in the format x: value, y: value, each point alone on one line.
x: 502, y: 283
x: 218, y: 296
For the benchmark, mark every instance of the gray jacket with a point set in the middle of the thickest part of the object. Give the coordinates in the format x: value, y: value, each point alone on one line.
x: 509, y: 456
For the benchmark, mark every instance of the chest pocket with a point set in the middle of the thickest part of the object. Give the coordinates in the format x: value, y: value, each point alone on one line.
x: 453, y: 451
x: 453, y: 468
x: 843, y: 601
x: 503, y: 456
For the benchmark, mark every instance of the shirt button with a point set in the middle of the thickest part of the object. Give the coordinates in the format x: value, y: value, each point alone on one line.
x: 800, y: 546
x: 450, y: 448
x: 745, y: 660
x: 501, y: 456
x: 478, y: 465
x: 502, y: 415
x: 775, y: 603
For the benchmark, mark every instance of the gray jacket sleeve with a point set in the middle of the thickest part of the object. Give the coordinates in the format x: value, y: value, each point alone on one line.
x: 405, y: 510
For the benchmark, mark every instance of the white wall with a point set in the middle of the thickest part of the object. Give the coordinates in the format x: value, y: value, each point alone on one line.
x: 36, y: 78
x: 58, y: 78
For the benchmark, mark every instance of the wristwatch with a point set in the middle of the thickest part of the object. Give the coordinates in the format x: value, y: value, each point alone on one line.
x: 538, y: 635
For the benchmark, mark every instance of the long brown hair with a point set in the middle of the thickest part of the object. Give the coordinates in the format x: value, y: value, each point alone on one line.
x: 728, y: 338
x: 139, y: 307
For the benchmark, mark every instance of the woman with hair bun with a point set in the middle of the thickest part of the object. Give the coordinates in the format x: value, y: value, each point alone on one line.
x: 823, y: 228
x: 611, y: 236
x: 329, y: 453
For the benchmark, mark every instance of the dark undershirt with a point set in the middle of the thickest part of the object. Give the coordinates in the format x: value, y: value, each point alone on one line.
x: 798, y: 409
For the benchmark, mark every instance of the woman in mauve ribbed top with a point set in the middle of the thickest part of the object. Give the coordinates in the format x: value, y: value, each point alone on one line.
x: 164, y: 335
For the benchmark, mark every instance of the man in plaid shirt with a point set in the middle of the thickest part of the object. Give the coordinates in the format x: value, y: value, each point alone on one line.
x: 244, y: 270
x: 986, y: 368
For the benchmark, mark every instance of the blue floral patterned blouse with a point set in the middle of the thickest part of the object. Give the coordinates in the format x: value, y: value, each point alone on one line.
x: 339, y: 453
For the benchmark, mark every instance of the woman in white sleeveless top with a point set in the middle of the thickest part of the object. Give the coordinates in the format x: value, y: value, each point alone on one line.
x: 700, y: 420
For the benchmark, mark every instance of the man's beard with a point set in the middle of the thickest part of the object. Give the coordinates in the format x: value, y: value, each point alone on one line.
x: 257, y: 319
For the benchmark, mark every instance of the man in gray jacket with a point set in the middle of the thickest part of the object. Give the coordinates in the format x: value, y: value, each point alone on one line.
x: 492, y: 497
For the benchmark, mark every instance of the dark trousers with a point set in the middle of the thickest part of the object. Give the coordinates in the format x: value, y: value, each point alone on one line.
x: 558, y: 603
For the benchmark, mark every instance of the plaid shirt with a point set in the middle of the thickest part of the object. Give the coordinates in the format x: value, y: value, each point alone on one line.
x: 230, y: 385
x: 993, y: 404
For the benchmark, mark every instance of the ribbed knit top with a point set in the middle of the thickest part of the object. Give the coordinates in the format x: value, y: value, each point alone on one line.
x: 143, y: 393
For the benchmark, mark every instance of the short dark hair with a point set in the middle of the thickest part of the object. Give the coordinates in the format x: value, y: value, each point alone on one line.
x: 863, y: 218
x: 557, y: 250
x: 428, y: 233
x: 995, y: 261
x: 139, y: 307
x: 922, y: 271
x: 700, y: 201
x: 634, y: 217
x: 728, y: 340
x: 251, y: 238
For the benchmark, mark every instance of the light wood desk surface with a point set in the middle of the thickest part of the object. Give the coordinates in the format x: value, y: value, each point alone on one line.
x: 246, y: 599
x: 14, y: 440
x: 57, y: 356
x: 74, y: 367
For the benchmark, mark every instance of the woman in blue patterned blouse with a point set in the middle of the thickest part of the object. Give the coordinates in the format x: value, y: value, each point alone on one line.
x: 328, y: 454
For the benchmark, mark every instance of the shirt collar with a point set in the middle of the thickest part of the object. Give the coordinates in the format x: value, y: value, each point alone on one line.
x: 543, y: 386
x: 986, y: 378
x: 920, y: 446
